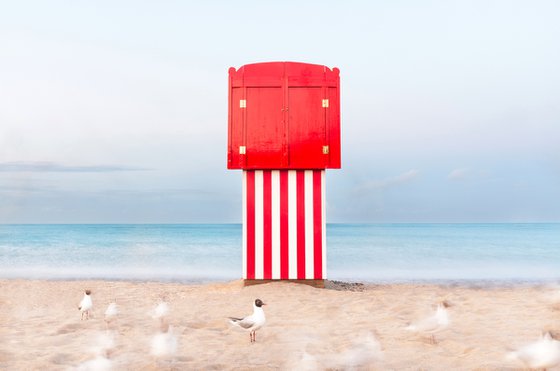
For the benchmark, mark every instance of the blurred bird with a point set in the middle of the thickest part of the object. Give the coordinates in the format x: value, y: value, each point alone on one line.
x: 365, y: 351
x: 105, y: 343
x: 99, y: 363
x: 102, y: 348
x: 164, y: 343
x: 432, y: 324
x: 543, y: 353
x: 253, y: 322
x: 86, y: 304
x: 303, y: 361
x: 112, y: 310
x: 160, y: 311
x: 111, y: 313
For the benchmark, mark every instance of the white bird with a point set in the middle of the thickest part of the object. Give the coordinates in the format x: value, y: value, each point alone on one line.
x: 100, y: 363
x: 303, y: 361
x: 111, y: 311
x: 164, y: 343
x: 364, y: 352
x: 86, y: 304
x: 253, y: 322
x: 432, y: 324
x: 105, y: 343
x: 543, y: 353
x: 102, y: 348
x: 161, y: 310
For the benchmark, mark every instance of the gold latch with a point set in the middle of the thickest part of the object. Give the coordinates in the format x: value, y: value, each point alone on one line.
x: 242, y: 103
x: 325, y: 103
x: 242, y: 150
x: 325, y: 150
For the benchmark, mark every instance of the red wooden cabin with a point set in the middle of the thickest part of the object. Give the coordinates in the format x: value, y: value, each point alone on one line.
x: 284, y: 130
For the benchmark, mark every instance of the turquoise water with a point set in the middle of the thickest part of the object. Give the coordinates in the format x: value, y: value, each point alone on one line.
x: 210, y: 252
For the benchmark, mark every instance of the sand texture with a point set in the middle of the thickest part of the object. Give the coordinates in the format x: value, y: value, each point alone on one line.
x: 339, y: 327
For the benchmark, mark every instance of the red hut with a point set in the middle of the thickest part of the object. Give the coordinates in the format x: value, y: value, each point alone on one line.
x: 284, y: 131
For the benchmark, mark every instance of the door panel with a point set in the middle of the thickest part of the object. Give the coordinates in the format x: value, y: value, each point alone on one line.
x: 236, y: 134
x: 264, y: 127
x: 306, y: 127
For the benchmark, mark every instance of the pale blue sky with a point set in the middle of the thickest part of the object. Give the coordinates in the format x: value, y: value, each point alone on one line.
x: 116, y: 111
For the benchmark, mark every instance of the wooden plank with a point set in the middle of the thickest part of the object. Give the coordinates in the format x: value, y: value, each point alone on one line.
x: 320, y: 284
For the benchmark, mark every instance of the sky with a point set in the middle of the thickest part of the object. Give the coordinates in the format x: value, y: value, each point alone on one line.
x: 116, y: 111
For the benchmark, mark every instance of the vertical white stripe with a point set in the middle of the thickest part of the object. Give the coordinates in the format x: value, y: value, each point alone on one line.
x: 259, y: 226
x: 292, y: 225
x: 309, y: 268
x: 324, y: 222
x: 244, y: 220
x: 275, y: 211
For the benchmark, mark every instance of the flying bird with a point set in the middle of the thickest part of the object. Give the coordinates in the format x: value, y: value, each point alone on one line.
x: 432, y: 324
x: 541, y: 354
x: 252, y: 322
x: 86, y: 304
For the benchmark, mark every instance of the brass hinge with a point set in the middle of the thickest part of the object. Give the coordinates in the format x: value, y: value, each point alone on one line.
x: 325, y: 150
x: 242, y: 150
x: 325, y: 103
x: 242, y: 103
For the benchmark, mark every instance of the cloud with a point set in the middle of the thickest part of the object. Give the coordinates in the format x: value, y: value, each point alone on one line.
x: 466, y: 174
x: 388, y: 182
x: 23, y: 189
x: 52, y: 167
x: 144, y: 195
x: 458, y: 174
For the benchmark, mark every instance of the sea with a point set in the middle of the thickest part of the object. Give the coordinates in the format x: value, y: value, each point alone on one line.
x: 369, y: 253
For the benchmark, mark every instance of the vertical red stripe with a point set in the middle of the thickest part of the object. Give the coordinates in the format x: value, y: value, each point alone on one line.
x: 317, y: 225
x: 267, y: 227
x: 284, y: 251
x: 250, y: 224
x: 300, y: 186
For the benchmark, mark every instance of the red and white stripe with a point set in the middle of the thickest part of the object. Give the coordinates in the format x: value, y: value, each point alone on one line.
x: 284, y: 224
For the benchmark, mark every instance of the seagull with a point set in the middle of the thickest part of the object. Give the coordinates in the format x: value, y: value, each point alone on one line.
x: 543, y: 353
x: 111, y: 312
x: 253, y: 322
x: 161, y: 311
x: 365, y: 351
x: 164, y: 343
x: 102, y: 348
x: 433, y: 324
x: 105, y: 343
x: 303, y: 361
x: 86, y: 304
x: 100, y: 363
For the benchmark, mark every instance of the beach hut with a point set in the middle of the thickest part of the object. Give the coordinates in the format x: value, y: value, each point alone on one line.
x: 283, y: 132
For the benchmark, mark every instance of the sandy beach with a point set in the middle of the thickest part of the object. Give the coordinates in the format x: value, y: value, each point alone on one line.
x: 339, y: 327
